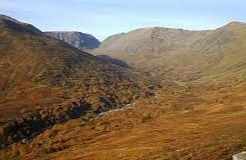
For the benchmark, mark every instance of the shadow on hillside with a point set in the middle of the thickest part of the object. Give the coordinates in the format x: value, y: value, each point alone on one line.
x: 114, y: 61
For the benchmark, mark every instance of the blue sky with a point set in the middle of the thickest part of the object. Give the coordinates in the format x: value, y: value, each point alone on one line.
x: 103, y: 18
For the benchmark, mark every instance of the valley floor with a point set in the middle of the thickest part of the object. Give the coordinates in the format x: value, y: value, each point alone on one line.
x: 180, y: 122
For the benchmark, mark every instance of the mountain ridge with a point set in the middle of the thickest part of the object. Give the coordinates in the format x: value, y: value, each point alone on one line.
x: 165, y: 52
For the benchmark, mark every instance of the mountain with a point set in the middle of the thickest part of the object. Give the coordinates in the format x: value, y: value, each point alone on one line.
x: 58, y: 102
x: 79, y: 40
x: 168, y: 52
x: 146, y: 40
x: 199, y: 114
x: 44, y: 81
x: 84, y: 42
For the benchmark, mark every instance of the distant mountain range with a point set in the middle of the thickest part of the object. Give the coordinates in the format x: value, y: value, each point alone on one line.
x: 85, y: 42
x: 79, y: 40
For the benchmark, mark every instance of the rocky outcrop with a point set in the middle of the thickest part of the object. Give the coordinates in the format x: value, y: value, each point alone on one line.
x: 79, y: 40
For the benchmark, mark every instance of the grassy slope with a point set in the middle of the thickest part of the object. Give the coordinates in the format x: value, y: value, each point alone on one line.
x: 181, y: 122
x: 196, y: 54
x: 43, y: 78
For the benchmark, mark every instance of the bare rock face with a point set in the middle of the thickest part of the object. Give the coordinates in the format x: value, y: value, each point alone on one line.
x: 239, y: 156
x: 79, y: 40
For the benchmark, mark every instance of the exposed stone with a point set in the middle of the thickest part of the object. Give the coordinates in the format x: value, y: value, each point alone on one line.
x: 239, y: 156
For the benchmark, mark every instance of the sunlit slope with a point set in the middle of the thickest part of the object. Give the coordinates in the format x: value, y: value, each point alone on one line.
x: 179, y: 54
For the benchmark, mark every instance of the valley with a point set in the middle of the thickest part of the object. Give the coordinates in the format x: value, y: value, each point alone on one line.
x: 152, y: 93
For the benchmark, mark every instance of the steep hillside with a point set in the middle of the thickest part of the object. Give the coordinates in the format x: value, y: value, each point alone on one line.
x: 79, y: 40
x: 44, y: 81
x: 178, y: 54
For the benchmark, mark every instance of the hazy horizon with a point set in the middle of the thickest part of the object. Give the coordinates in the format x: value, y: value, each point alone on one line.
x: 105, y: 18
